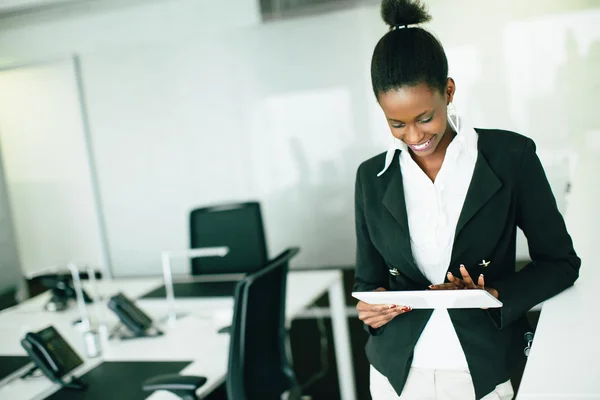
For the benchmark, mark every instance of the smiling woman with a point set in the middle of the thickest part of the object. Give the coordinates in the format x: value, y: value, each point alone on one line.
x: 417, y: 116
x: 439, y: 211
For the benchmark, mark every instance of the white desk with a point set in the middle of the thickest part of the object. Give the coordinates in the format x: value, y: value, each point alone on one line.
x: 564, y: 357
x: 193, y: 338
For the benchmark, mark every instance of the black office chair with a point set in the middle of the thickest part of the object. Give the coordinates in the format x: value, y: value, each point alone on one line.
x: 8, y: 298
x: 258, y: 366
x: 238, y: 226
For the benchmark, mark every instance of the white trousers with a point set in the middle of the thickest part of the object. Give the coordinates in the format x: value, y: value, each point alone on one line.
x: 434, y: 384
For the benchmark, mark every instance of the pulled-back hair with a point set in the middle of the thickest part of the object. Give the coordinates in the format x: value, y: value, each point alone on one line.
x: 407, y: 56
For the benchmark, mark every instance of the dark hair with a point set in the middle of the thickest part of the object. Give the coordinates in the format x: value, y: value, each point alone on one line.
x: 408, y: 56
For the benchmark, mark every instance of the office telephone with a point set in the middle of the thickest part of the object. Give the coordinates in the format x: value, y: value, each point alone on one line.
x: 62, y: 289
x: 134, y: 319
x: 51, y: 353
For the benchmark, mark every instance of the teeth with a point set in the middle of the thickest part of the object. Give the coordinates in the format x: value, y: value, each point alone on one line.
x: 422, y: 146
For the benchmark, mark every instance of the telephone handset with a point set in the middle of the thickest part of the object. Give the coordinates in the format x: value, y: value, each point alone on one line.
x: 138, y: 322
x: 51, y: 353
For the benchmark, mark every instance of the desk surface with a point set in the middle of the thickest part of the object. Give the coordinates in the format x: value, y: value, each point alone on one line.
x: 124, y: 375
x: 194, y: 336
x: 563, y: 362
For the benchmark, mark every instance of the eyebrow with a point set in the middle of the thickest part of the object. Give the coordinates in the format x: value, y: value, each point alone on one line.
x: 417, y: 117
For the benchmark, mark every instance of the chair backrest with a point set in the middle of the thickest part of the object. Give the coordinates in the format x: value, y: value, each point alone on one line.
x: 238, y: 226
x: 258, y: 364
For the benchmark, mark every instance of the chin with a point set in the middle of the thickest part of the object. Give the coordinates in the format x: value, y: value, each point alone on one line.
x: 425, y: 153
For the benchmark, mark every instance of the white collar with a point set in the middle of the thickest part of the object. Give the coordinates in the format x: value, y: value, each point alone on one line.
x: 466, y: 137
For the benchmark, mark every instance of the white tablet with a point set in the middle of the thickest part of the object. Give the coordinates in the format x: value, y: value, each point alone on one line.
x: 428, y: 299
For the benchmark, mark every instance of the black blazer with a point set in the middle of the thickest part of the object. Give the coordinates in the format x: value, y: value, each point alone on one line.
x: 508, y: 189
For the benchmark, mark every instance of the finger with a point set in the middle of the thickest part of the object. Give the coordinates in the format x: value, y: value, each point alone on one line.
x: 454, y: 280
x: 457, y: 282
x: 378, y: 324
x: 481, y: 282
x: 378, y: 311
x: 381, y: 308
x: 451, y: 277
x: 394, y: 313
x: 391, y: 312
x: 397, y: 310
x: 362, y: 306
x: 380, y: 320
x: 466, y: 277
x: 364, y: 315
x: 444, y: 286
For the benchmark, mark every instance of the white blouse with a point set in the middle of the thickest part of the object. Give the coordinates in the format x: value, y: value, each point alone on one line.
x: 433, y: 209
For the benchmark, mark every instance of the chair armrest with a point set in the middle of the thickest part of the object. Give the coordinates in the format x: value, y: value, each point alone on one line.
x: 183, y: 386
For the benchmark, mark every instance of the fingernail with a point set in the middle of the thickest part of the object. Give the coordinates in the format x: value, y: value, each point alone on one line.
x: 406, y: 309
x: 430, y: 286
x: 462, y: 265
x: 450, y: 273
x: 481, y: 275
x: 393, y: 306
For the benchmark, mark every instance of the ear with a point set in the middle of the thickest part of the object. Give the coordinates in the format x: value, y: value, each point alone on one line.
x: 450, y: 90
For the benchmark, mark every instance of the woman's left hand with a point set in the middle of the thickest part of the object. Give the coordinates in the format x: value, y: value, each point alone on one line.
x: 465, y: 283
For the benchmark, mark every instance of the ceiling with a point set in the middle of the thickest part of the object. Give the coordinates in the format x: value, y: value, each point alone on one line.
x: 271, y: 9
x: 278, y: 9
x: 9, y: 7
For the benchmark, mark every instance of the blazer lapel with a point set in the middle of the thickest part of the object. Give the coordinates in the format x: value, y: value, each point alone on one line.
x: 395, y: 203
x: 484, y: 184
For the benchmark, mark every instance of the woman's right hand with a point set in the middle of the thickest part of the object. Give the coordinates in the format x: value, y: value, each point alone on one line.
x: 377, y: 315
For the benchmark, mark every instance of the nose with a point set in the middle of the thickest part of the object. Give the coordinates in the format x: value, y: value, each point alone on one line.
x: 412, y: 135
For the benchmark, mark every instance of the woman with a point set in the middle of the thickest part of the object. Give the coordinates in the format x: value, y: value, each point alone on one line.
x: 439, y: 211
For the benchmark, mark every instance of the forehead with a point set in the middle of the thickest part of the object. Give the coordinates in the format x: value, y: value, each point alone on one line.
x: 408, y: 102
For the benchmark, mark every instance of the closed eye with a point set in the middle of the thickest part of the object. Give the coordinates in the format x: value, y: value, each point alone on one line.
x: 424, y: 121
x: 399, y: 125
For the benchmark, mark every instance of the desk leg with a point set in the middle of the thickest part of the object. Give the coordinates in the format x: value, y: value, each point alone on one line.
x: 341, y: 340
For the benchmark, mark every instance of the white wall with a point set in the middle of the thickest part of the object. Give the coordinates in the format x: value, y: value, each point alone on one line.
x: 284, y: 112
x: 243, y: 115
x: 130, y: 28
x: 110, y: 24
x: 10, y: 270
x: 46, y: 167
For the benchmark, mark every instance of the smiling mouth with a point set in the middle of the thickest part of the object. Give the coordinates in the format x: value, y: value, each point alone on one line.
x: 423, y: 146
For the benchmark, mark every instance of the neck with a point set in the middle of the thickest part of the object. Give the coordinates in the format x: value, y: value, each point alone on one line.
x: 438, y: 155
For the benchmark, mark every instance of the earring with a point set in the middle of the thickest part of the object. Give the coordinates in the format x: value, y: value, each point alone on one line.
x: 453, y: 118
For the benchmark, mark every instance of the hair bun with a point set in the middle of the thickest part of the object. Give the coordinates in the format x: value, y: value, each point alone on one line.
x: 403, y: 12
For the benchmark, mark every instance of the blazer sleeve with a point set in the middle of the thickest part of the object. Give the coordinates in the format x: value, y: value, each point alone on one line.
x: 555, y: 265
x: 371, y: 270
